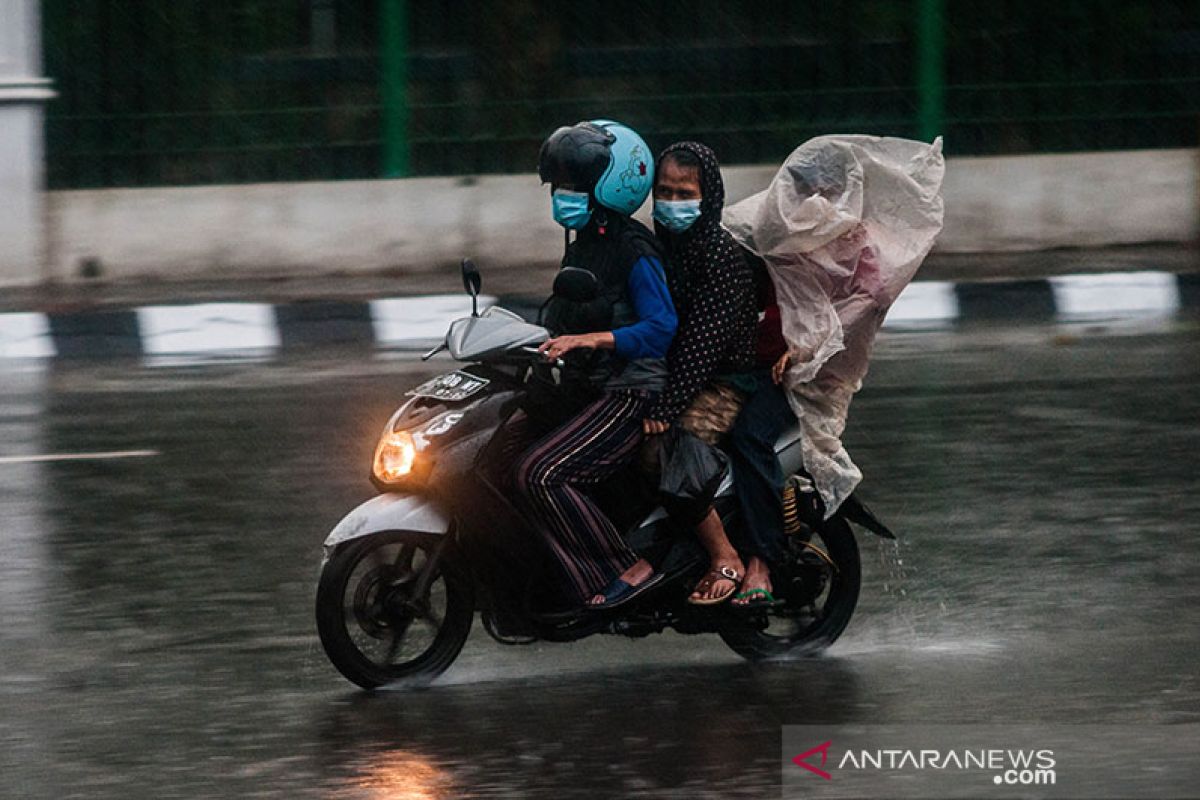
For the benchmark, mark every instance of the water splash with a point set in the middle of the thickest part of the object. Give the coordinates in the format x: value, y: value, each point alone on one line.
x: 914, y: 615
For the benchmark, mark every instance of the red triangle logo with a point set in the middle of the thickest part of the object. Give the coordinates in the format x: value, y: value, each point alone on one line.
x: 823, y: 749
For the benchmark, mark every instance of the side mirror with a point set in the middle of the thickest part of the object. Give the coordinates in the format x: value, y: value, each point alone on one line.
x: 472, y: 282
x: 577, y: 285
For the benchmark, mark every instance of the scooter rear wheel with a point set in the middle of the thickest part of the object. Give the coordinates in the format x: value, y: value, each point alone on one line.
x: 376, y: 621
x: 819, y: 583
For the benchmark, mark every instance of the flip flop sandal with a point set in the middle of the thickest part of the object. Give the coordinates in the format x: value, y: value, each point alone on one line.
x: 766, y: 600
x: 725, y: 573
x: 619, y: 592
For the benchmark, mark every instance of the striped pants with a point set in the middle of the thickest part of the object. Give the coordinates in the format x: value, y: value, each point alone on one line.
x: 549, y: 476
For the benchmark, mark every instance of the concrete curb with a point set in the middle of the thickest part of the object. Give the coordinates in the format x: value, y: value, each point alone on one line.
x: 416, y: 323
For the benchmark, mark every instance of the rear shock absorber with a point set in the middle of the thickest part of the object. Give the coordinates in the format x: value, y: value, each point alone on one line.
x: 802, y: 515
x: 791, y: 514
x: 801, y: 506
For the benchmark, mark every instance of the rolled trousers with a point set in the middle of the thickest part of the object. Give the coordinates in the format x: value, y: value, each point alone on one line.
x: 757, y: 475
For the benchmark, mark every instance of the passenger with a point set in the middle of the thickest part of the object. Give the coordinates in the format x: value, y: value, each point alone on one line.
x: 758, y: 478
x: 712, y: 357
x: 615, y: 345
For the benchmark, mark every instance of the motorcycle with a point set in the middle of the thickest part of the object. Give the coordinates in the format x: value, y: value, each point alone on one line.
x: 404, y: 573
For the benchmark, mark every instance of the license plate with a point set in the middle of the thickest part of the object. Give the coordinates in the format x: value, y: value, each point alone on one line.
x: 451, y: 387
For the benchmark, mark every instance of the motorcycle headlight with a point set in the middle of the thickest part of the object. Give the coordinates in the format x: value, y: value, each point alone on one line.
x: 398, y: 461
x: 394, y: 456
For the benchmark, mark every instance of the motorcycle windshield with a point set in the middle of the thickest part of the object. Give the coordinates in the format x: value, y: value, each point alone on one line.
x: 491, y: 335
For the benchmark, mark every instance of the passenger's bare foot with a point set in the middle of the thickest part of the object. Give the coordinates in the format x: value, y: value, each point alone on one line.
x: 634, y: 576
x: 758, y: 577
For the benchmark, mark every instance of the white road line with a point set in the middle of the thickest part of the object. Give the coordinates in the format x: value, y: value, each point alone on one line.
x: 923, y: 302
x: 1116, y: 294
x: 207, y: 328
x: 420, y: 320
x: 26, y: 335
x: 79, y: 456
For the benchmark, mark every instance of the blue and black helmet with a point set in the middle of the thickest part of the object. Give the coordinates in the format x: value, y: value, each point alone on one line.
x: 602, y: 157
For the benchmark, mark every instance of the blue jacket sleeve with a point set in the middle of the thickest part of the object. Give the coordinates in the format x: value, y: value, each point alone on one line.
x: 651, y: 335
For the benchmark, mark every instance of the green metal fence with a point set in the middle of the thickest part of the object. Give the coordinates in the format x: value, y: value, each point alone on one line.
x: 190, y: 92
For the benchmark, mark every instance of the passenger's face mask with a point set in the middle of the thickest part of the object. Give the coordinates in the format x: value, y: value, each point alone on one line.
x: 571, y: 208
x: 676, y: 215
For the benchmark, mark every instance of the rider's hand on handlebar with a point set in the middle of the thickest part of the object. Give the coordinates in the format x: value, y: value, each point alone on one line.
x: 561, y: 345
x: 652, y: 427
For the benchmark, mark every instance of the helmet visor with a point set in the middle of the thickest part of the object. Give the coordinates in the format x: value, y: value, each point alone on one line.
x: 575, y: 156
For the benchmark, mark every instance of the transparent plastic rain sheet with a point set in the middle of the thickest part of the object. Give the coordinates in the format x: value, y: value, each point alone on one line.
x: 843, y: 227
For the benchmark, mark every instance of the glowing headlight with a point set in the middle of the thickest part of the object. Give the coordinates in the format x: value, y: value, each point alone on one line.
x: 394, y: 456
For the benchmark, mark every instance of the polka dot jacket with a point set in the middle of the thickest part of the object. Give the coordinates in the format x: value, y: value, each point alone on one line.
x: 712, y: 286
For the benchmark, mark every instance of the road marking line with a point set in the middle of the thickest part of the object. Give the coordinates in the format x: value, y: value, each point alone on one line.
x: 79, y: 456
x: 26, y: 335
x: 207, y: 328
x: 1116, y: 294
x: 419, y: 321
x: 923, y: 302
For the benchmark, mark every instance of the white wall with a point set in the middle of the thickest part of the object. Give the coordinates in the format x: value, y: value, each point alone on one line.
x: 992, y: 204
x: 22, y: 94
x: 1075, y: 200
x: 21, y: 210
x: 280, y: 229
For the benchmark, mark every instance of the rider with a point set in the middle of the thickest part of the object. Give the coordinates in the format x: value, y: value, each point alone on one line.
x: 614, y: 344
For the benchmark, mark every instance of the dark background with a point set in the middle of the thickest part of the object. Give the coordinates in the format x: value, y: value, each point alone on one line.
x: 188, y: 92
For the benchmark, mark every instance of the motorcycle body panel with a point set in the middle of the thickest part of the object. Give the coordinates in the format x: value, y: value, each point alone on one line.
x: 787, y: 447
x: 393, y: 511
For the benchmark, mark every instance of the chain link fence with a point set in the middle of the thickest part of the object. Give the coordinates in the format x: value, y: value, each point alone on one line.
x: 193, y: 92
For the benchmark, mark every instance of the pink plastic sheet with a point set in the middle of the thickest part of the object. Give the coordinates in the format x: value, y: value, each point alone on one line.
x: 843, y: 227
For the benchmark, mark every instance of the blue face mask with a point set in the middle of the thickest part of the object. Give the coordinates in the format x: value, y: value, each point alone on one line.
x: 676, y: 215
x: 570, y: 208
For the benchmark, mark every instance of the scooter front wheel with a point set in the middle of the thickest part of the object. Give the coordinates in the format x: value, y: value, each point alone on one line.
x: 393, y: 606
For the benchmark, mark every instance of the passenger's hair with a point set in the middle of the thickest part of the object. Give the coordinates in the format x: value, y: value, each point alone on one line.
x: 684, y: 159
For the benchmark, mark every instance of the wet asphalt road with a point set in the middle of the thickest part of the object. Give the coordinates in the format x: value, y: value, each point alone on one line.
x: 156, y: 634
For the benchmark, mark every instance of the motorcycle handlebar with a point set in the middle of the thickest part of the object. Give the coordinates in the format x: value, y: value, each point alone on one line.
x: 434, y: 352
x: 533, y: 351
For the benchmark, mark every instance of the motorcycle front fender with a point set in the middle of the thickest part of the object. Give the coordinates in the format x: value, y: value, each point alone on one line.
x: 393, y: 511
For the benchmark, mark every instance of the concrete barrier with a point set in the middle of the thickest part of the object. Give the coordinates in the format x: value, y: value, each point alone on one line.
x: 1001, y: 204
x: 1075, y: 200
